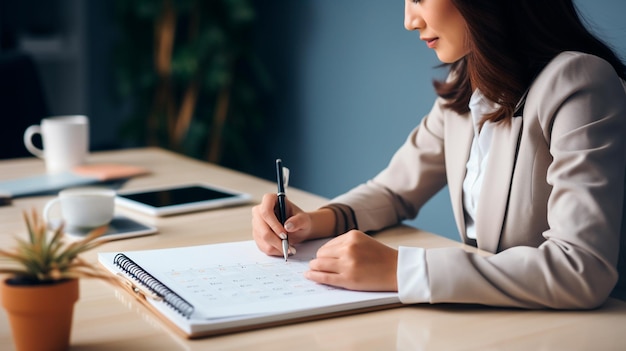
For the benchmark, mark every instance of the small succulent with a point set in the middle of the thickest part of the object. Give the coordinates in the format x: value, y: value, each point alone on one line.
x: 46, y: 258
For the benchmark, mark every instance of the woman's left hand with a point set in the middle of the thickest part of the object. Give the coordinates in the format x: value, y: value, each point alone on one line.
x: 355, y: 261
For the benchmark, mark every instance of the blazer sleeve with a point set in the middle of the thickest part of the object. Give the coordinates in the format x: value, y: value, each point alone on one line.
x: 414, y: 174
x: 581, y: 105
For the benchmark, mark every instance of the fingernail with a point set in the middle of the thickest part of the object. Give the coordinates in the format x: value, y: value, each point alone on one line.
x: 289, y: 226
x: 292, y: 250
x: 282, y: 236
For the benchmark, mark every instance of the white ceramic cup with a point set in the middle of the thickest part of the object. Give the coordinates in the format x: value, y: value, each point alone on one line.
x: 83, y: 208
x: 65, y: 142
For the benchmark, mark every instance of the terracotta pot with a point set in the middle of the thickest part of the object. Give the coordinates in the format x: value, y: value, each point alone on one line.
x: 40, y: 315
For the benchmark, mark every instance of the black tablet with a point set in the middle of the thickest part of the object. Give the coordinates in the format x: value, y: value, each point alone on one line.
x: 171, y: 200
x: 121, y: 227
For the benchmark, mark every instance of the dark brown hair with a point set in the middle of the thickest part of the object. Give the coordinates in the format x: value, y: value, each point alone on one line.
x: 510, y: 42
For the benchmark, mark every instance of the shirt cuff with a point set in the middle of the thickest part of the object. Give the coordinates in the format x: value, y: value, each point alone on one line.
x: 412, y: 275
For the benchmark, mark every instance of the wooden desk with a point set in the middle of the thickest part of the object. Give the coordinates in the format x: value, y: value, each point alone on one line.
x: 107, y: 318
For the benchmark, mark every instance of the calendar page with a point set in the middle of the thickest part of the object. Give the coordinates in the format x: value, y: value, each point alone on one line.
x: 236, y: 281
x: 258, y: 287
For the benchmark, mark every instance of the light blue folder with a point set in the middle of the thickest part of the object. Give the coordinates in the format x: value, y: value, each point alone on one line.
x: 45, y: 184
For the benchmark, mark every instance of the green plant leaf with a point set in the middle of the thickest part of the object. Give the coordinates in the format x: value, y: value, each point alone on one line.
x: 46, y: 257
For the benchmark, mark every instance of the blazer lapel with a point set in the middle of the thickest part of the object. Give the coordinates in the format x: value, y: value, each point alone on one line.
x: 493, y: 201
x: 459, y: 137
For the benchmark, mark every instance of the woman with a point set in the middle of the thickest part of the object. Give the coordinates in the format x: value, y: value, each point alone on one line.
x: 527, y: 133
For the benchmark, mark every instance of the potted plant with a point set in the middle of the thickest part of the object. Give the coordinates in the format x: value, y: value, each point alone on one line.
x: 42, y: 285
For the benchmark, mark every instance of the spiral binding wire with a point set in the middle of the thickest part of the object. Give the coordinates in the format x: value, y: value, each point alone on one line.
x: 146, y: 279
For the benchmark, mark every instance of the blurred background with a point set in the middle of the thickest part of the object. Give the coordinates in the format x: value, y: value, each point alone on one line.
x: 331, y: 87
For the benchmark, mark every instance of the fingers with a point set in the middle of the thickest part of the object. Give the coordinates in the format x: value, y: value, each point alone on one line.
x: 265, y: 226
x: 267, y: 241
x: 267, y: 230
x: 355, y: 261
x: 338, y: 247
x: 326, y: 278
x: 329, y: 267
x: 325, y: 271
x: 268, y: 213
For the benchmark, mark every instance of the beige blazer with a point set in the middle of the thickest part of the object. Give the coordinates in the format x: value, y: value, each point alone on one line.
x: 551, y: 206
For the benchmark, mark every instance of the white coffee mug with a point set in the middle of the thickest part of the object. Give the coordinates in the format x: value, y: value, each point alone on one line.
x: 83, y: 208
x: 65, y: 142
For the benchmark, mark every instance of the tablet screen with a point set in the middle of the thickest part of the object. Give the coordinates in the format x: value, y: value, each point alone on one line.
x: 177, y: 196
x: 180, y: 199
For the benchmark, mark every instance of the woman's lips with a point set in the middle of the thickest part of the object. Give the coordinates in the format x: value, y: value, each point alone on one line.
x: 431, y: 42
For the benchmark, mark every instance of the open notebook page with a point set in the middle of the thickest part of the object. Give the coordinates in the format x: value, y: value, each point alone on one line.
x: 235, y: 281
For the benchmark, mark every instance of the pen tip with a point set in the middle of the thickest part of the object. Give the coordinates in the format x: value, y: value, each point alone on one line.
x: 285, y: 249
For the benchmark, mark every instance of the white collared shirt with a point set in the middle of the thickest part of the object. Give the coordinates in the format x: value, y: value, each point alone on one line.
x: 479, y: 155
x: 412, y: 273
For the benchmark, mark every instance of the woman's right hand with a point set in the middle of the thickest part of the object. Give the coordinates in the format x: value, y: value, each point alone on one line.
x: 267, y: 230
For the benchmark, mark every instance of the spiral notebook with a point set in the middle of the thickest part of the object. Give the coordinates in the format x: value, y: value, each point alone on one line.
x: 222, y: 288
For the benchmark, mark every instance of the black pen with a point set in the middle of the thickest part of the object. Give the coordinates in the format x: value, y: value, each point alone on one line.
x: 282, y: 206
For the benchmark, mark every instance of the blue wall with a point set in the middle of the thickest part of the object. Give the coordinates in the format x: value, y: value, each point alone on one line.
x: 352, y: 83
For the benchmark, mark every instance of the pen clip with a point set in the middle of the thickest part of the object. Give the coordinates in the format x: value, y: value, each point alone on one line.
x: 280, y: 180
x: 137, y: 289
x: 285, y: 177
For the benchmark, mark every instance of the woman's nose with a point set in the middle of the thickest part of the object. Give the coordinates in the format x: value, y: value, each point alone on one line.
x: 412, y: 18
